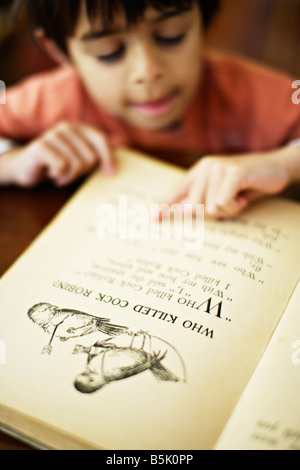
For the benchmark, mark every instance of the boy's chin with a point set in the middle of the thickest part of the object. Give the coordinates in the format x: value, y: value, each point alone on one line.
x: 158, y: 125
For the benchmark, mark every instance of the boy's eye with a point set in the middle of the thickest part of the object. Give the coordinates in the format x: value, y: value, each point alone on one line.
x: 114, y: 56
x: 162, y: 40
x: 171, y: 40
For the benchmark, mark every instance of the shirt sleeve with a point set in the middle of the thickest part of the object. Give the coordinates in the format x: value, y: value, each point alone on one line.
x: 274, y: 118
x: 255, y: 103
x: 39, y: 102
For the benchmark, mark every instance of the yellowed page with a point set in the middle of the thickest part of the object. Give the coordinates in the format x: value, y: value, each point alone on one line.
x: 268, y: 414
x: 195, y: 323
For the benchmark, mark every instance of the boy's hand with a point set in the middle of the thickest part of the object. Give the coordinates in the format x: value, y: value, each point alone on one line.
x: 227, y: 185
x: 62, y: 155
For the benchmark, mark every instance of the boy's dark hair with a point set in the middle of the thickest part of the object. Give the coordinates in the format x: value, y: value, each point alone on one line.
x: 58, y: 18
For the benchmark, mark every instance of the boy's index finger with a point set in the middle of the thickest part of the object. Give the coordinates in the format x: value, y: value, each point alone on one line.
x: 181, y: 191
x: 178, y: 197
x: 102, y: 148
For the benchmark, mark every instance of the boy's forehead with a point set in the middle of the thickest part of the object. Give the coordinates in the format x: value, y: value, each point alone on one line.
x: 87, y: 27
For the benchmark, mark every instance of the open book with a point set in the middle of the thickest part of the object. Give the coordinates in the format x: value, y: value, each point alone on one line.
x: 132, y: 342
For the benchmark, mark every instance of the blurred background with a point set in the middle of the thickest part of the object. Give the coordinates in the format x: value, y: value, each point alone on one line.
x: 267, y: 31
x: 264, y: 30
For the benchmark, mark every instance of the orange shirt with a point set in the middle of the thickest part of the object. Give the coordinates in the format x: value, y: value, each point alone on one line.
x: 239, y: 107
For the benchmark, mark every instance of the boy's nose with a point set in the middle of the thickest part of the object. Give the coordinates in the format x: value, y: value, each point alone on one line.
x: 145, y: 66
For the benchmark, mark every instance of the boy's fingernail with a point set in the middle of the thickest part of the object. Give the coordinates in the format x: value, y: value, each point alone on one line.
x: 110, y: 170
x: 59, y: 183
x: 242, y: 201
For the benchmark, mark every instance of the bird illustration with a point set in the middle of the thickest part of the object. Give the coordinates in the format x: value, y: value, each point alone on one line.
x: 67, y: 324
x: 108, y: 362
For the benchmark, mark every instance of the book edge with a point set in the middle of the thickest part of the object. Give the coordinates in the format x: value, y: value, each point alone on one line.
x: 38, y: 434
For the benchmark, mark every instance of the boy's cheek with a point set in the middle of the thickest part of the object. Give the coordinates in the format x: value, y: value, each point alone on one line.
x: 190, y: 61
x: 105, y: 88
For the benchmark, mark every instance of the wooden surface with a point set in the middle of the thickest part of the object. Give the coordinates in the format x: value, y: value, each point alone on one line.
x: 23, y: 214
x: 7, y: 443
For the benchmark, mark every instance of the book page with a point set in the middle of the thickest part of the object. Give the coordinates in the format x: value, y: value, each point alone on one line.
x: 268, y: 415
x: 143, y: 343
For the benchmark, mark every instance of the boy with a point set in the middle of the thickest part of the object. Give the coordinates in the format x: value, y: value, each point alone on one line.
x: 136, y: 74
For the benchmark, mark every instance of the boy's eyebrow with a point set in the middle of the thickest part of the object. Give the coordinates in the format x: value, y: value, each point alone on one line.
x: 98, y: 34
x: 90, y: 36
x: 170, y: 14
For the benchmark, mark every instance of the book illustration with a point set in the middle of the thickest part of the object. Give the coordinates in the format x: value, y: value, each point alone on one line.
x: 122, y: 355
x: 67, y: 324
x: 108, y: 362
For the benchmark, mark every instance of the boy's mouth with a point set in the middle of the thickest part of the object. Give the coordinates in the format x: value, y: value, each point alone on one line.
x: 156, y: 108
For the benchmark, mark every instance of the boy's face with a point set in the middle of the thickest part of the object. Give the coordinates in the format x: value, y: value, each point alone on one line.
x: 145, y: 74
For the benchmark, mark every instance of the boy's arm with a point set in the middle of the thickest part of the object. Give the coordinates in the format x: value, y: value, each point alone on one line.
x: 261, y: 110
x: 64, y: 153
x: 293, y: 161
x: 45, y: 111
x: 6, y: 145
x: 227, y: 185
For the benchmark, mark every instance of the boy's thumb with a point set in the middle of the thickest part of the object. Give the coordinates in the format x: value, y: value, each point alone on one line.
x: 245, y: 198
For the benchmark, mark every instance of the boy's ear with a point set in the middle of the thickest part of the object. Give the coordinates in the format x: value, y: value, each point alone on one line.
x: 50, y: 47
